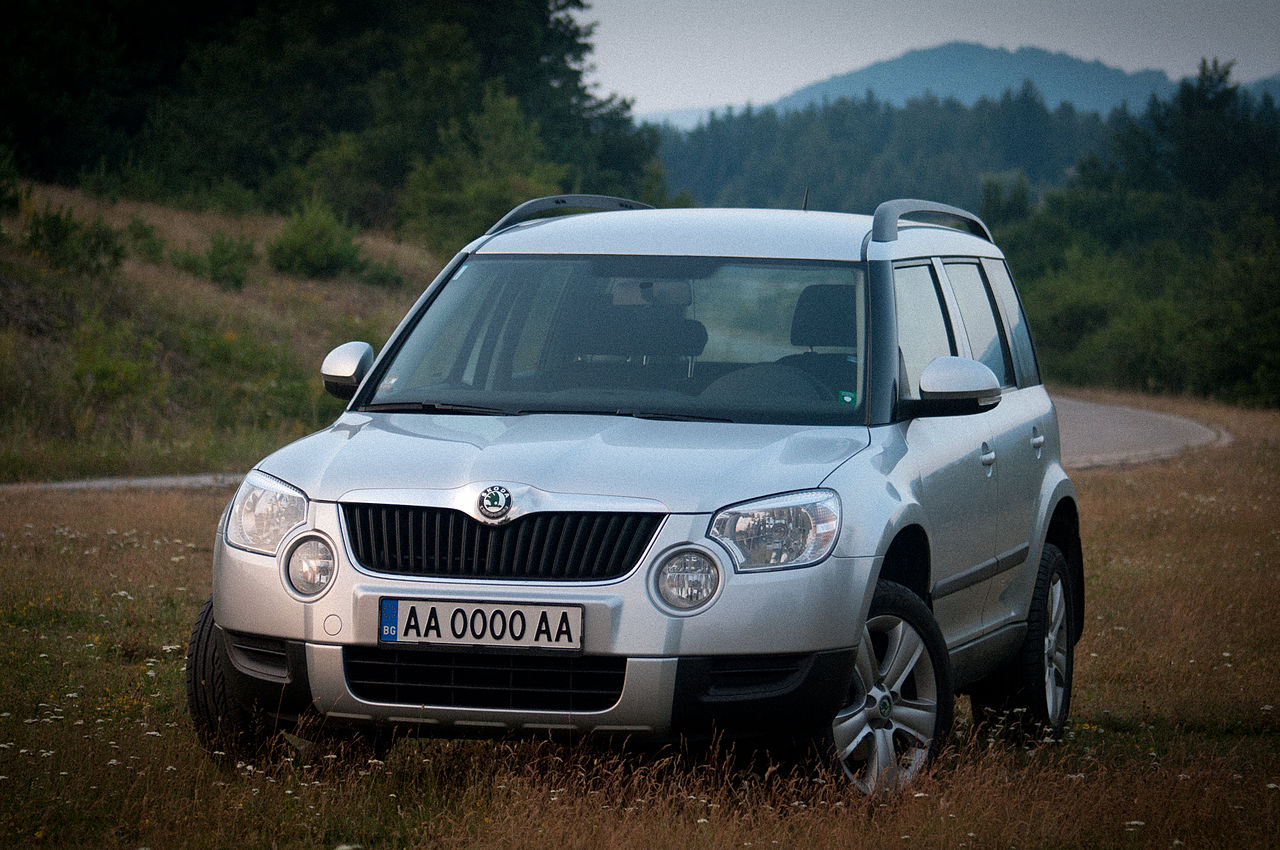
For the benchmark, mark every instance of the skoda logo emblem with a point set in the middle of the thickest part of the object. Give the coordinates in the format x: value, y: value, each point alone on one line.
x: 495, y: 502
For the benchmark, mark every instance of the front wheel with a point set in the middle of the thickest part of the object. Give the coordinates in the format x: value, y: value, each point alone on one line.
x: 901, y: 703
x: 222, y: 724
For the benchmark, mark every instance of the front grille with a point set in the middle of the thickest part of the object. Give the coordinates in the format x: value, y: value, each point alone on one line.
x: 439, y: 542
x: 514, y: 681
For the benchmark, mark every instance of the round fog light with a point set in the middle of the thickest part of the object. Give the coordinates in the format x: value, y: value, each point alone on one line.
x: 687, y: 580
x: 311, y: 567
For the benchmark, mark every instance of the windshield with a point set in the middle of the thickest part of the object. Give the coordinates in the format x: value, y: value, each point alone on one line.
x: 740, y: 340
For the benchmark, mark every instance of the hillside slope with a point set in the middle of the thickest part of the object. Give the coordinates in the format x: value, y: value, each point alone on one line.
x: 153, y: 369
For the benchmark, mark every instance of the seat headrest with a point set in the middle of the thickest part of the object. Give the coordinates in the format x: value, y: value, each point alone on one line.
x: 633, y: 331
x: 825, y: 315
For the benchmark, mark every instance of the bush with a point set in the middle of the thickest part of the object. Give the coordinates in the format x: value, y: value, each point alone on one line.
x: 189, y: 261
x: 49, y: 233
x: 143, y: 241
x: 314, y: 243
x: 226, y: 263
x: 94, y: 250
x: 228, y: 197
x: 385, y: 275
x: 228, y: 260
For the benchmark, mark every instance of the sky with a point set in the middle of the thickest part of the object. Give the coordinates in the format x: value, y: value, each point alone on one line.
x: 678, y: 54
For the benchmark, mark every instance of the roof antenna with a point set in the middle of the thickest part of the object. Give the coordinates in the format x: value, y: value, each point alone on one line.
x: 804, y: 206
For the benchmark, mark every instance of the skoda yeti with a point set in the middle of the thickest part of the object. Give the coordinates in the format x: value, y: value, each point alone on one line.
x: 664, y: 473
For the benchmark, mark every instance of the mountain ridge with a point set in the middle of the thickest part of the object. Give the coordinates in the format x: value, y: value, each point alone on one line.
x: 968, y: 72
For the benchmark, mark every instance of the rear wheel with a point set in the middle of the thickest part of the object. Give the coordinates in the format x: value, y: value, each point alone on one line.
x: 901, y: 703
x: 222, y: 724
x: 1034, y: 692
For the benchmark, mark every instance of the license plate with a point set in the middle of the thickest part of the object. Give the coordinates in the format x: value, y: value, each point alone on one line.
x: 433, y: 621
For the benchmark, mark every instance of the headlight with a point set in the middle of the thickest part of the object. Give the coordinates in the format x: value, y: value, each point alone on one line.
x: 793, y: 530
x: 311, y: 566
x: 687, y: 580
x: 263, y: 512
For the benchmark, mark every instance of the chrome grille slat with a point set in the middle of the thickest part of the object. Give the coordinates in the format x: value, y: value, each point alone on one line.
x: 439, y: 542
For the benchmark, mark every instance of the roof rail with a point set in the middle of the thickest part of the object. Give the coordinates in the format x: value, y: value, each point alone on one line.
x: 530, y: 209
x: 884, y: 227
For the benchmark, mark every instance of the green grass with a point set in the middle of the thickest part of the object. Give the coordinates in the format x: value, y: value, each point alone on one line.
x: 1174, y: 739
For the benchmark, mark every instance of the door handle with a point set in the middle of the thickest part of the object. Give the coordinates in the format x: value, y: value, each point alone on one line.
x: 1037, y: 440
x: 988, y: 455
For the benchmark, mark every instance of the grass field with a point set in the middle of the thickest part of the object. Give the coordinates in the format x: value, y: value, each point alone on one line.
x: 1174, y: 739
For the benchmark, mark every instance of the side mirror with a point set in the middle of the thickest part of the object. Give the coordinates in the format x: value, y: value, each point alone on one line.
x: 345, y: 367
x: 957, y: 386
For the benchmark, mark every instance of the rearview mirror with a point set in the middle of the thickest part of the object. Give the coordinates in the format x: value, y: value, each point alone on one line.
x: 345, y: 367
x: 957, y: 386
x: 662, y: 293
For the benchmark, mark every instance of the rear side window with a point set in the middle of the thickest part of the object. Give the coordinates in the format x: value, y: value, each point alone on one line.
x: 981, y: 323
x: 1024, y: 355
x: 923, y: 332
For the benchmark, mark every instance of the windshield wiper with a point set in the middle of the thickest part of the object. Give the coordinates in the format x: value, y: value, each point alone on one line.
x: 635, y: 414
x: 436, y: 407
x: 481, y: 410
x: 671, y: 417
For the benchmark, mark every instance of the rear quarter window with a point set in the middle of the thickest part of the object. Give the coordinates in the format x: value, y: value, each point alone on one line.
x: 981, y: 320
x: 1015, y: 319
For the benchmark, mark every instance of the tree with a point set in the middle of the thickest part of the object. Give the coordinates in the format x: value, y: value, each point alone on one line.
x: 1155, y: 270
x: 295, y: 99
x: 80, y: 78
x: 1209, y: 137
x: 488, y: 163
x: 1005, y: 198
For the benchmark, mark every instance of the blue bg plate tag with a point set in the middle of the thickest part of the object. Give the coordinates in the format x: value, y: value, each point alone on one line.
x: 390, y: 619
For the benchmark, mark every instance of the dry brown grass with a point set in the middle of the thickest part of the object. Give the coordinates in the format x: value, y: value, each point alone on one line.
x: 281, y: 300
x: 178, y: 227
x: 1175, y: 739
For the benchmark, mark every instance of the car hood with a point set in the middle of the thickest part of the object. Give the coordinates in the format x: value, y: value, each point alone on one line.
x: 560, y: 461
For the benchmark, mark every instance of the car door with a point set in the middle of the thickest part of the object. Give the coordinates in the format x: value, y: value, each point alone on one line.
x: 957, y: 491
x: 1017, y: 427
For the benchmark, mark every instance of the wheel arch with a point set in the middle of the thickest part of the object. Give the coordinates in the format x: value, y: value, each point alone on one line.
x: 907, y: 562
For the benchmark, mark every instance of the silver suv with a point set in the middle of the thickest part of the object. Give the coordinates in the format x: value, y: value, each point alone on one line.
x: 662, y: 473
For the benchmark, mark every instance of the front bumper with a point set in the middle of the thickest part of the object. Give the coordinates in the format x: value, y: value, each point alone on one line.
x: 772, y: 652
x: 497, y: 693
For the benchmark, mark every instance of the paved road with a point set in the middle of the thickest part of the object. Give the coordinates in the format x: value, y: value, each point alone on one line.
x: 1106, y: 434
x: 1092, y: 435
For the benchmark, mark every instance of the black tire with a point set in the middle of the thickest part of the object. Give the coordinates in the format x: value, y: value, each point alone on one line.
x: 221, y: 723
x: 901, y: 703
x: 1033, y: 693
